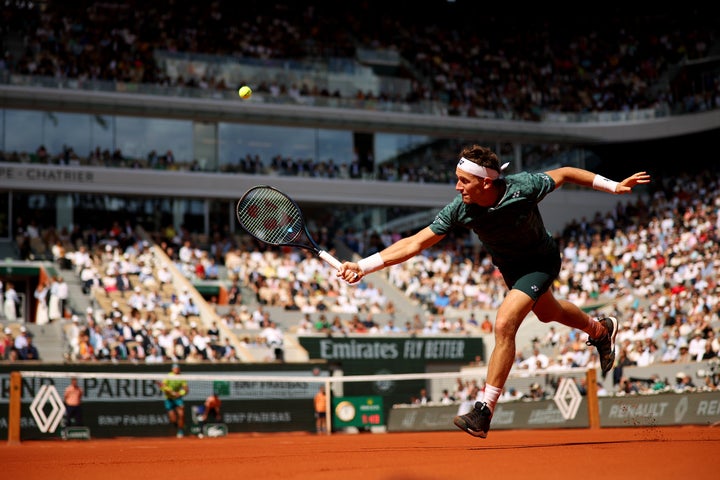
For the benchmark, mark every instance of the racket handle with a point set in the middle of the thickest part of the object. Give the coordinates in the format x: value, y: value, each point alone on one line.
x: 330, y: 259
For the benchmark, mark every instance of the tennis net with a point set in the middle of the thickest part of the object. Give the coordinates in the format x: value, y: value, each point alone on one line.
x: 132, y: 404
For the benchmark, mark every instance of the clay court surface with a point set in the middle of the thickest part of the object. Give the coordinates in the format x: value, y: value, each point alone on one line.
x: 638, y: 453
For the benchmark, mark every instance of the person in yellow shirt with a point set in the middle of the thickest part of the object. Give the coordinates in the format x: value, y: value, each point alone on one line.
x: 175, y: 389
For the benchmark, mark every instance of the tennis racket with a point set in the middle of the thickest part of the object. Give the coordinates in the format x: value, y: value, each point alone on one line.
x: 273, y: 218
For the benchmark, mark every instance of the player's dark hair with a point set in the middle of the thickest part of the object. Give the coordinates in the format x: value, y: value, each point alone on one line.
x: 484, y: 157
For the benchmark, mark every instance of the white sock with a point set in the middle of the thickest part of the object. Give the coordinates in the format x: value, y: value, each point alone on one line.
x: 491, y: 395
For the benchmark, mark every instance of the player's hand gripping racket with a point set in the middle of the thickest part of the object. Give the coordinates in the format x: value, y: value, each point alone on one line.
x: 275, y: 219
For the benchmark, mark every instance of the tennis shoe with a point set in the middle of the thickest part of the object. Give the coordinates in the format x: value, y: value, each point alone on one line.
x: 606, y: 344
x: 476, y: 422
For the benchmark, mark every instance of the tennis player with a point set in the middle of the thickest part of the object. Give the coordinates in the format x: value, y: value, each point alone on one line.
x: 503, y: 212
x: 175, y: 389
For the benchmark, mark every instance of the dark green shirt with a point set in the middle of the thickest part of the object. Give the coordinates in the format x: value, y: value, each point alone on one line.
x: 511, y: 231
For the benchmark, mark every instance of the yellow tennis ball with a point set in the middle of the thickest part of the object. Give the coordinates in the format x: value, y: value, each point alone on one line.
x: 245, y: 92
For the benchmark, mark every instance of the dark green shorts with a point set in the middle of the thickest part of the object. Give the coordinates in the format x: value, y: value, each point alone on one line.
x: 534, y: 276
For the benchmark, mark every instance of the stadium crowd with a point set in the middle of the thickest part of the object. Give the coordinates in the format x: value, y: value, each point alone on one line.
x: 650, y: 262
x: 519, y: 67
x: 278, y: 165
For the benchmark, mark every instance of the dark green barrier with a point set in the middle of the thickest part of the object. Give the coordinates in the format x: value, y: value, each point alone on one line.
x: 148, y: 419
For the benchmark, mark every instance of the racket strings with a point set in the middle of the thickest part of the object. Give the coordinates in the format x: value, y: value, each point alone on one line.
x: 270, y: 216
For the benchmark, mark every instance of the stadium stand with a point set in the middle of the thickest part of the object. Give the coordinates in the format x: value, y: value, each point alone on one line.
x: 651, y: 262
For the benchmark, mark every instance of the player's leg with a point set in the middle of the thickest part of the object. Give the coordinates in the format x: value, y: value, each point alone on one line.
x: 510, y: 315
x: 170, y: 409
x: 601, y: 333
x: 180, y: 414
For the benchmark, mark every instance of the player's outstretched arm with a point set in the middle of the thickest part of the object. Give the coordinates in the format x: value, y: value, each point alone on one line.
x: 596, y: 181
x: 398, y: 252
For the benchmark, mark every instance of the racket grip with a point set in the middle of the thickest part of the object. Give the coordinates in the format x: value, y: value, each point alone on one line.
x: 330, y: 259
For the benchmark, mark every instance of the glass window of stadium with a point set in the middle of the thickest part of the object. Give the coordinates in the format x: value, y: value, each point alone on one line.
x: 73, y: 138
x: 239, y: 142
x: 110, y: 140
x: 137, y: 142
x: 44, y: 137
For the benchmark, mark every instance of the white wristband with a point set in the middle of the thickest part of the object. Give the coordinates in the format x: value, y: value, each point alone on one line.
x: 370, y: 264
x: 604, y: 184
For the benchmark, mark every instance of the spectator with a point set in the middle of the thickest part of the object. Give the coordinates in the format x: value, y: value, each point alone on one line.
x: 137, y: 299
x: 696, y: 345
x: 274, y: 339
x: 29, y: 351
x: 228, y: 351
x: 123, y: 284
x: 154, y: 355
x: 22, y: 340
x: 213, y: 332
x: 552, y: 337
x: 684, y: 355
x: 683, y: 383
x: 190, y: 309
x: 72, y: 333
x: 423, y: 397
x: 709, y: 353
x: 536, y: 361
x: 235, y: 293
x: 201, y: 343
x: 486, y: 326
x: 510, y: 395
x: 672, y: 352
x: 7, y: 344
x: 41, y: 304
x: 536, y: 393
x: 446, y: 398
x: 61, y: 292
x: 390, y: 327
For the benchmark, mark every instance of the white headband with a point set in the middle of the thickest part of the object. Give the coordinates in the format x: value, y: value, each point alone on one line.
x: 473, y: 168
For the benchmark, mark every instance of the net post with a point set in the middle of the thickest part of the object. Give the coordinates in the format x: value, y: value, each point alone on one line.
x: 328, y: 408
x: 592, y: 399
x: 14, y: 408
